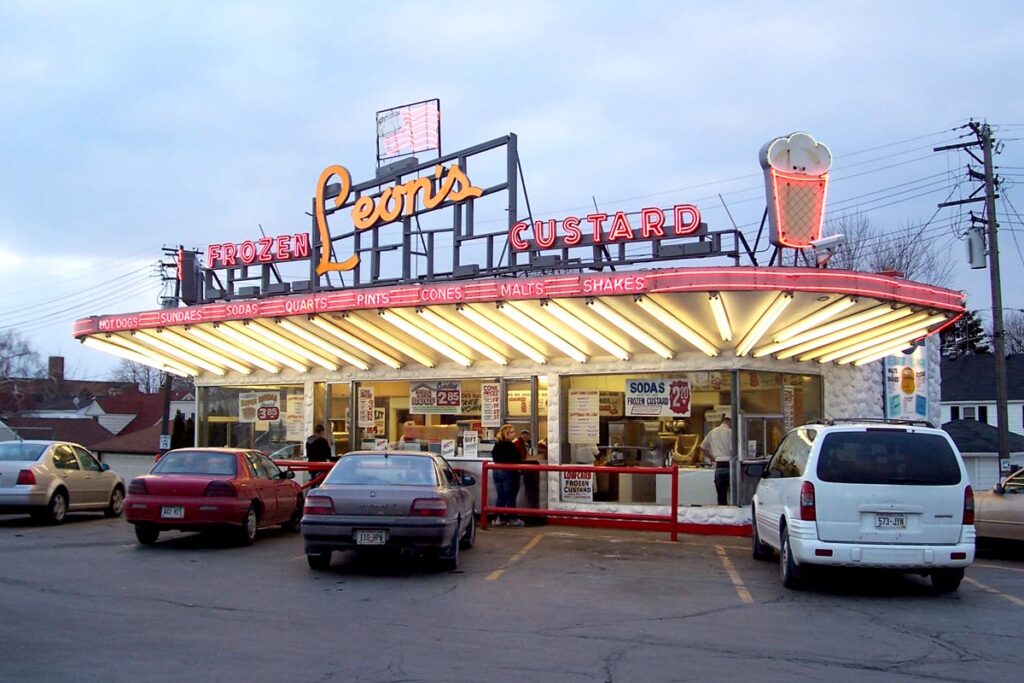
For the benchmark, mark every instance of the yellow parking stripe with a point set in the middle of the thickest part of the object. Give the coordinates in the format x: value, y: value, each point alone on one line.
x: 497, y: 573
x: 734, y: 576
x: 988, y: 589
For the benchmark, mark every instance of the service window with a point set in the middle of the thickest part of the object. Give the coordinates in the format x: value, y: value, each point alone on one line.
x: 64, y: 458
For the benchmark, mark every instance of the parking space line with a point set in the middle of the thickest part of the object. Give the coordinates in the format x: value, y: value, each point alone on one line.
x: 988, y: 589
x: 497, y: 573
x: 734, y: 576
x: 996, y: 566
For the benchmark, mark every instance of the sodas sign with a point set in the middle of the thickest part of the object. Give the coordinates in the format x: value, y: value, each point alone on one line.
x: 657, y: 398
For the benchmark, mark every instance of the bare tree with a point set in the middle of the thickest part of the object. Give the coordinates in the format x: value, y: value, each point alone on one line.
x: 1013, y: 326
x: 149, y: 380
x: 903, y: 250
x: 17, y: 357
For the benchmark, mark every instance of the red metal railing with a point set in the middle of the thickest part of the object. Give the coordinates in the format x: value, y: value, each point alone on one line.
x: 622, y: 520
x: 321, y: 469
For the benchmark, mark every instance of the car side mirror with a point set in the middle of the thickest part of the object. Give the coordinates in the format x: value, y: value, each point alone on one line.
x: 998, y: 489
x: 287, y: 474
x: 105, y: 467
x: 468, y: 480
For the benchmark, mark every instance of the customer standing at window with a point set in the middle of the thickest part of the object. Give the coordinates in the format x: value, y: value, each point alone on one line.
x: 506, y: 482
x: 318, y: 449
x: 717, y: 446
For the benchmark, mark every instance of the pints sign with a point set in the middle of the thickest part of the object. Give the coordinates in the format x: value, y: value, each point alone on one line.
x: 602, y: 228
x: 448, y: 185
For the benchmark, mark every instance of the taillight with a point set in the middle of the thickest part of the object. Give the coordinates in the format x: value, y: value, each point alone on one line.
x: 26, y: 478
x: 137, y: 487
x: 318, y: 505
x: 807, y: 512
x: 220, y: 489
x: 428, y: 507
x: 968, y: 506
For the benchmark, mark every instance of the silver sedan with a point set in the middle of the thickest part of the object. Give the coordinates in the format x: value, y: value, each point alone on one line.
x: 402, y: 500
x: 48, y: 479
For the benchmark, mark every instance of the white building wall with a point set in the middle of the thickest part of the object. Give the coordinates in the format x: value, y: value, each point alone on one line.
x: 1014, y: 413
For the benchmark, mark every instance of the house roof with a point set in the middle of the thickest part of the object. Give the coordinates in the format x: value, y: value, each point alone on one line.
x: 973, y: 378
x: 84, y: 431
x: 972, y: 436
x: 145, y: 440
x: 148, y: 409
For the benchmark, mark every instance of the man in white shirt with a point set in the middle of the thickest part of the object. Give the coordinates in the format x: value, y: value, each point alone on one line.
x: 717, y: 447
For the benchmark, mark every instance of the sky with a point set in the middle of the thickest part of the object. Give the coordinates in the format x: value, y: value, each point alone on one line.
x: 131, y: 126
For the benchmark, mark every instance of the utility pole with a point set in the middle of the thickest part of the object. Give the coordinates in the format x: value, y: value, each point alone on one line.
x: 983, y: 135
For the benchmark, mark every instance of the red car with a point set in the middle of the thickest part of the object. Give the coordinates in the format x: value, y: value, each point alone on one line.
x: 207, y: 489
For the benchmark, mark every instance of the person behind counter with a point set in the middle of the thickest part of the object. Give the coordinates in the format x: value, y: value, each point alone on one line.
x: 506, y: 482
x: 717, y: 446
x: 522, y: 443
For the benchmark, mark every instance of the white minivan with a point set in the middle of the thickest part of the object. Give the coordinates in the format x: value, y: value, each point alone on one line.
x: 864, y: 493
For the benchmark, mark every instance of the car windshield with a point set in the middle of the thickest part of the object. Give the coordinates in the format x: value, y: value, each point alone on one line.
x: 196, y: 462
x: 400, y: 470
x: 15, y: 451
x: 881, y: 456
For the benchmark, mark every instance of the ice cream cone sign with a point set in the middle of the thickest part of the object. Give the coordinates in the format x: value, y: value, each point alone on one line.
x: 796, y: 180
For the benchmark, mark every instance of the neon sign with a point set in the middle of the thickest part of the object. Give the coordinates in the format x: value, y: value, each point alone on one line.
x: 590, y: 230
x: 451, y: 184
x: 262, y: 250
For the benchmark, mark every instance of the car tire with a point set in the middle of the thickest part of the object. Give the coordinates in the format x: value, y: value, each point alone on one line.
x: 116, y: 506
x: 319, y: 561
x: 57, y: 508
x: 146, y: 534
x: 760, y: 551
x: 294, y: 523
x: 247, y: 532
x: 947, y: 580
x: 448, y: 558
x: 789, y: 572
x: 469, y: 538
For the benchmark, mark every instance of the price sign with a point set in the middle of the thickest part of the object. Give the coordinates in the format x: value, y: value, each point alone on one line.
x: 679, y: 397
x: 268, y: 413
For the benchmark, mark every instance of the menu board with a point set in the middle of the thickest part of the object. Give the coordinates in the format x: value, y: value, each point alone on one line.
x: 293, y: 418
x: 490, y: 404
x: 435, y: 398
x: 584, y: 416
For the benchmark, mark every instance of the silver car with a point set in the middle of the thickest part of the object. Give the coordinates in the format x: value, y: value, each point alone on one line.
x: 412, y: 502
x: 48, y: 479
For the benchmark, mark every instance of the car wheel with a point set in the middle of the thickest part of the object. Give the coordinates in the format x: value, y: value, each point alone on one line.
x: 294, y: 522
x: 116, y: 505
x: 469, y: 539
x: 247, y: 532
x: 761, y: 551
x: 947, y: 580
x: 789, y: 572
x: 448, y: 558
x: 58, y: 508
x: 145, y: 534
x: 319, y: 560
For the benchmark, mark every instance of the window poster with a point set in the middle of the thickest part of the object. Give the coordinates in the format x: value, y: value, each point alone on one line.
x: 435, y: 398
x: 577, y: 486
x: 366, y: 405
x: 584, y: 416
x: 490, y: 404
x: 669, y: 397
x: 906, y: 385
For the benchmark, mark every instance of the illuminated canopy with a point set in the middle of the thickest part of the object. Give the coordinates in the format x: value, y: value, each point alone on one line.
x: 803, y: 314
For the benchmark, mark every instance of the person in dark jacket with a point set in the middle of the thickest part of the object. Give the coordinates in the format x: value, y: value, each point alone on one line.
x: 318, y: 449
x: 506, y: 482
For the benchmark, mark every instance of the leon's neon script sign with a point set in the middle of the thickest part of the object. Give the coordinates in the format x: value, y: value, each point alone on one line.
x: 401, y: 200
x: 601, y: 228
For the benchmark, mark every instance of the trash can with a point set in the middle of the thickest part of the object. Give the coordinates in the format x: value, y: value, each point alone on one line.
x: 750, y: 474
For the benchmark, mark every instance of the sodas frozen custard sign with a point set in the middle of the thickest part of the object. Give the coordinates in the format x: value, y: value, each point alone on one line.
x: 796, y: 182
x: 657, y: 398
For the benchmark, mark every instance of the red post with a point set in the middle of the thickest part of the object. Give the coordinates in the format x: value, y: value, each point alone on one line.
x: 675, y: 502
x: 483, y: 497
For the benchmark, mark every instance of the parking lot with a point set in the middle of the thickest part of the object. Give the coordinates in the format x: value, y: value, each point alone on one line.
x: 84, y: 602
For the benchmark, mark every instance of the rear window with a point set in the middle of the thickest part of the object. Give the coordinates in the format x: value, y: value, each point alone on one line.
x: 398, y: 470
x: 196, y: 462
x: 893, y: 457
x: 14, y: 451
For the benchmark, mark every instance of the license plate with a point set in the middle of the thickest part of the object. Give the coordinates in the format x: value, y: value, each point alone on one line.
x: 371, y: 536
x: 172, y: 512
x: 890, y: 521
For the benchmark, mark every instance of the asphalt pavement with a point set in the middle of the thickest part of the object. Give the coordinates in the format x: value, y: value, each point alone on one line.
x: 83, y: 602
